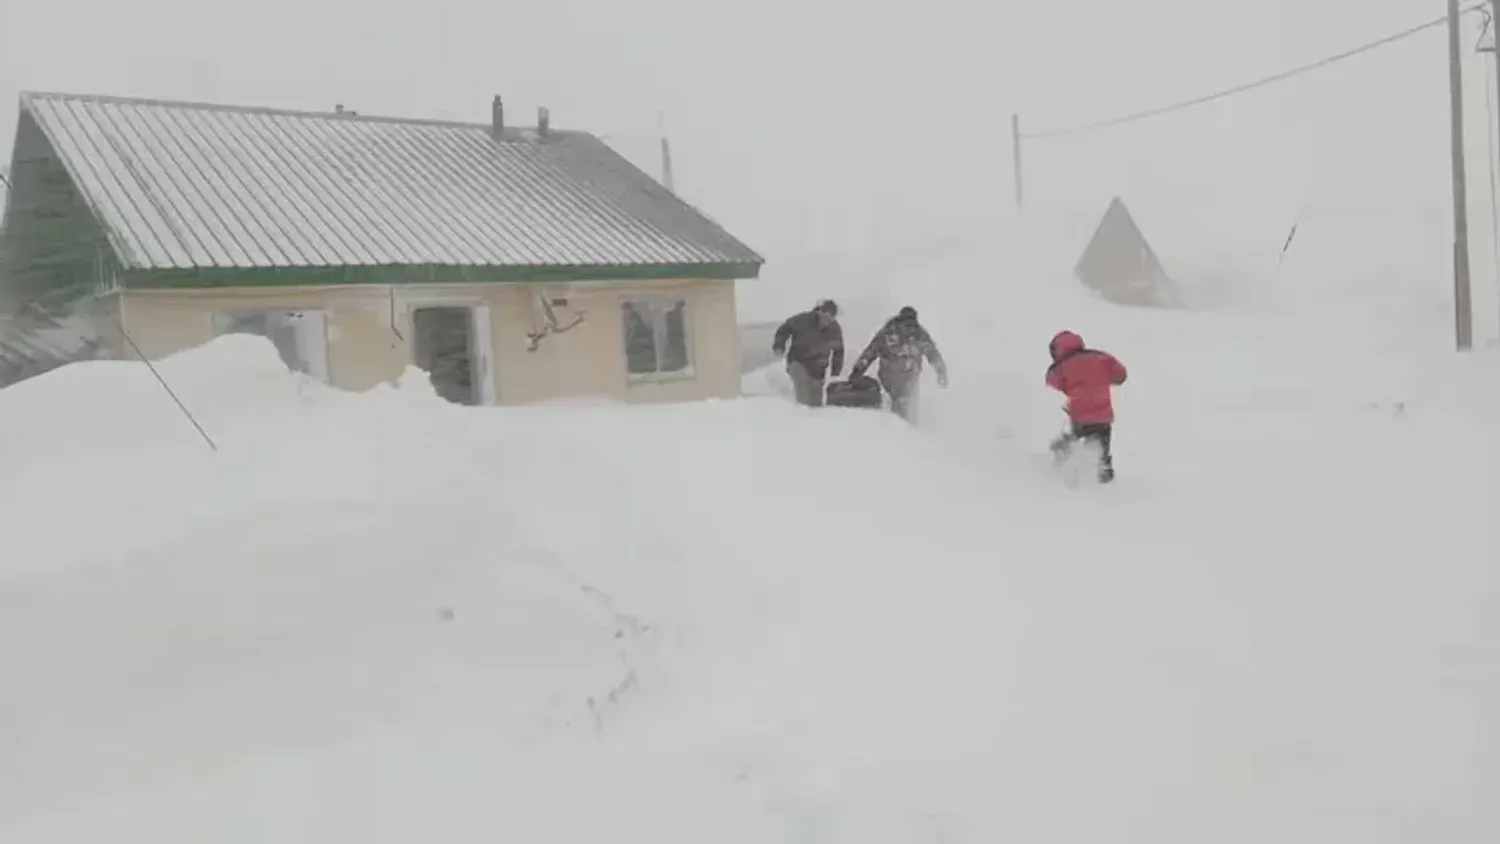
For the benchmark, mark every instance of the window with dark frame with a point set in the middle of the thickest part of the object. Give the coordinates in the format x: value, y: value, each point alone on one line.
x: 656, y: 337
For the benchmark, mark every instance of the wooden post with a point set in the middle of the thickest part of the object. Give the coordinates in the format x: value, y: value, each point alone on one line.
x: 1463, y: 322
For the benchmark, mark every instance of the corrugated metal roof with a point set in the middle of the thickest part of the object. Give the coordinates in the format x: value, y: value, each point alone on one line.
x: 35, y: 342
x: 184, y: 185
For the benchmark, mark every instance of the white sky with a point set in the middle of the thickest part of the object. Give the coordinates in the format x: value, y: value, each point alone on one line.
x: 827, y: 124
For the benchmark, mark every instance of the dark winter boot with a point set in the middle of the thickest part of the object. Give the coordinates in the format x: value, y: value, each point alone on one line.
x: 1106, y: 470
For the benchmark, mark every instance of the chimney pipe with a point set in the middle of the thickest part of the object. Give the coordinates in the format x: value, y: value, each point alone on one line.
x: 543, y: 124
x: 497, y: 117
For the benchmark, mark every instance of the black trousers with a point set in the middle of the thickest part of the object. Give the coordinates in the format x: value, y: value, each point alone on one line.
x: 1099, y: 433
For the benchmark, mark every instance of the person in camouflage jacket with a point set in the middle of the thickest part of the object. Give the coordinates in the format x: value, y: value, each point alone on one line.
x: 813, y: 343
x: 901, y: 346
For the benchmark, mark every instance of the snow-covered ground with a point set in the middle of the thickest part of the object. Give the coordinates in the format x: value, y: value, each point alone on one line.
x: 382, y: 618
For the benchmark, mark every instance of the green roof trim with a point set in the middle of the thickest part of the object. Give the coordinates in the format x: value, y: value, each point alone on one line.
x: 417, y: 275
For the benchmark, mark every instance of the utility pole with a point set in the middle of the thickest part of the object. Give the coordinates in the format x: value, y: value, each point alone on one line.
x: 1463, y: 328
x: 1495, y: 41
x: 1493, y: 24
x: 1015, y: 155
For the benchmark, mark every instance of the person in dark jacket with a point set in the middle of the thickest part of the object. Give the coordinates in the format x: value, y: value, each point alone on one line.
x: 902, y: 345
x: 813, y: 343
x: 1087, y: 377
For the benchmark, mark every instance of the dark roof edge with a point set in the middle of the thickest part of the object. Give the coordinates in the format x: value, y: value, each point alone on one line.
x: 26, y: 96
x: 209, y: 277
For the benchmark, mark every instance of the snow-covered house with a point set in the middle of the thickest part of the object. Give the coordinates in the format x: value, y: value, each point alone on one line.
x: 514, y: 264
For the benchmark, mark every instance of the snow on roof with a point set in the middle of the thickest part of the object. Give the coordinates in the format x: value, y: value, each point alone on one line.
x: 186, y: 186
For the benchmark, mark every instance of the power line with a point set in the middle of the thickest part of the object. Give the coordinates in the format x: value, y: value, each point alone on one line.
x: 1248, y: 86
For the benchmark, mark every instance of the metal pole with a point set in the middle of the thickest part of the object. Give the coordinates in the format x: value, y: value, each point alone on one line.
x: 1463, y: 327
x: 1015, y: 153
x: 1495, y: 40
x: 168, y: 387
x: 666, y: 151
x: 1495, y: 57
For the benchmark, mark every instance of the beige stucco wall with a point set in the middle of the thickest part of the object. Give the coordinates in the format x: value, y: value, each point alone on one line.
x: 364, y: 350
x: 361, y: 349
x: 590, y: 358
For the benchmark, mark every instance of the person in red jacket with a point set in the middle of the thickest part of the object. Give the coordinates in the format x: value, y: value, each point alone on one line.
x: 1086, y: 376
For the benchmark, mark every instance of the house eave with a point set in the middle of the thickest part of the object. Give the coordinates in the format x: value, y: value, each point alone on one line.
x: 211, y: 277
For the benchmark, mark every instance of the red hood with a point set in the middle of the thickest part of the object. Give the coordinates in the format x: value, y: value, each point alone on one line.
x: 1065, y: 343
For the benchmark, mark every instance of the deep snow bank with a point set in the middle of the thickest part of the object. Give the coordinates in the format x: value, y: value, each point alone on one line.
x: 342, y: 565
x: 744, y: 621
x: 1291, y: 576
x: 355, y: 591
